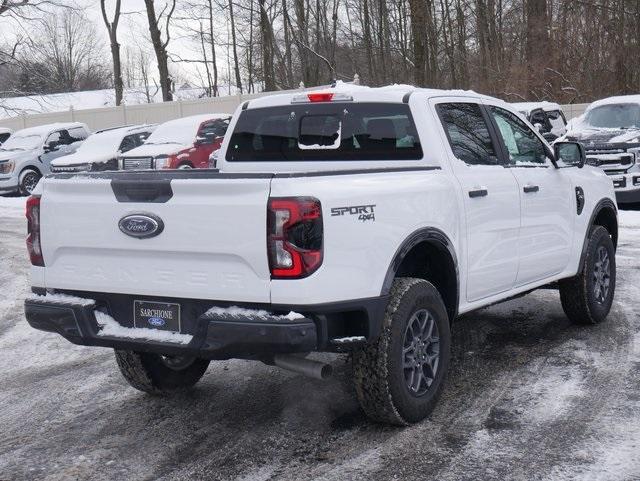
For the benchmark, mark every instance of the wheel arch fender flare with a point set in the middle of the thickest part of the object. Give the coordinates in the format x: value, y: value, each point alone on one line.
x: 602, y: 206
x: 438, y: 239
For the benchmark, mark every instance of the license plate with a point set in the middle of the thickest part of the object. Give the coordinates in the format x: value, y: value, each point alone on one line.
x: 156, y: 315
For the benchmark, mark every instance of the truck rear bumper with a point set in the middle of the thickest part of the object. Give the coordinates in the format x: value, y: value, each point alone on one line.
x: 216, y: 336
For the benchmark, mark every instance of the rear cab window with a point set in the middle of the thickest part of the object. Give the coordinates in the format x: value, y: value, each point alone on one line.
x: 335, y: 131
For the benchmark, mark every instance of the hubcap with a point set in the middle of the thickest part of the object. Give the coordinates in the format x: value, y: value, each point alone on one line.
x: 177, y: 363
x: 601, y: 275
x: 30, y: 181
x: 420, y: 352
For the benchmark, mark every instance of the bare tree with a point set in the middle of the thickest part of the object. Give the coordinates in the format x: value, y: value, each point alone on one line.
x: 63, y: 55
x: 160, y: 45
x: 112, y: 28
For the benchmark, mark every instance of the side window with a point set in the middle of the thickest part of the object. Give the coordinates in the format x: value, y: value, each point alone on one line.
x: 53, y: 140
x: 523, y: 145
x: 468, y: 133
x: 66, y: 138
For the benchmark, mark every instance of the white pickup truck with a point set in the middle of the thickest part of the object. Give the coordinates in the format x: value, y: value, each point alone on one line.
x: 351, y: 219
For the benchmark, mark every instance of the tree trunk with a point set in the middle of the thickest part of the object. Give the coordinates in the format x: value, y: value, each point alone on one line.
x: 112, y: 28
x: 213, y: 50
x: 419, y: 28
x: 236, y: 65
x: 160, y: 49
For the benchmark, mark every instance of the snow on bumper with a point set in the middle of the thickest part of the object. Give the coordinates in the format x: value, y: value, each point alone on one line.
x: 219, y: 333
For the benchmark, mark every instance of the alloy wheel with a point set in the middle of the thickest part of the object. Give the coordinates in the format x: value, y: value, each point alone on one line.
x: 420, y: 352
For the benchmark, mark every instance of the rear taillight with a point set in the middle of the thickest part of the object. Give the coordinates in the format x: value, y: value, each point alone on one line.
x: 294, y: 238
x: 33, y: 231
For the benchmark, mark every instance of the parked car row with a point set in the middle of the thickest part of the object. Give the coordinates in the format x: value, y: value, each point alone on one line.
x: 609, y: 130
x: 29, y: 154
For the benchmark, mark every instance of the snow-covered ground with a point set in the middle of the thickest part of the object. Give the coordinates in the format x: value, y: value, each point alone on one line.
x: 529, y: 397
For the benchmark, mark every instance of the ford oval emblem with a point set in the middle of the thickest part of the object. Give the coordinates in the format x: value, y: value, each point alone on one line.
x: 156, y: 321
x: 141, y: 226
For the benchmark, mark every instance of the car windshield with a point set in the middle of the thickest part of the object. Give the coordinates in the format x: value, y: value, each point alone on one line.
x: 614, y: 116
x: 173, y: 133
x: 22, y: 142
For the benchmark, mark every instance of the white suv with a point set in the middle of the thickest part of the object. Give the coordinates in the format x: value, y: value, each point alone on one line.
x: 346, y: 220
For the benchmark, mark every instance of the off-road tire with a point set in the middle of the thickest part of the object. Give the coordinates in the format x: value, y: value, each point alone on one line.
x: 149, y: 373
x: 577, y: 293
x: 378, y: 366
x: 26, y: 179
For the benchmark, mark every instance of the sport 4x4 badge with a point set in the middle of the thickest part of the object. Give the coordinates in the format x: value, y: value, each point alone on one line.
x: 364, y: 212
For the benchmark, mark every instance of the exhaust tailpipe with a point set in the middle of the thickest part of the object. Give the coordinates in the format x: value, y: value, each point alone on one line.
x: 302, y: 365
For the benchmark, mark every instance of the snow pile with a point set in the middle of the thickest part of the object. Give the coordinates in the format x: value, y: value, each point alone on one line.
x: 12, y: 207
x: 61, y: 299
x: 341, y: 340
x: 111, y: 328
x: 242, y: 313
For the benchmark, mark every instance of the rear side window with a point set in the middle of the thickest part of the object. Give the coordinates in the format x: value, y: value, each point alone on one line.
x: 325, y: 132
x: 468, y: 133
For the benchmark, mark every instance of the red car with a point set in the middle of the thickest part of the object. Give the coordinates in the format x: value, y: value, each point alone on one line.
x: 184, y: 143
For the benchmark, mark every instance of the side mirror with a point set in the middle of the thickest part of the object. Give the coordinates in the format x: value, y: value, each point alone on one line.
x: 571, y: 154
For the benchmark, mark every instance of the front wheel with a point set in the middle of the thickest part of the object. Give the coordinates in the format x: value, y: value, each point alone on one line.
x: 157, y: 374
x: 587, y: 297
x: 28, y: 180
x: 399, y: 377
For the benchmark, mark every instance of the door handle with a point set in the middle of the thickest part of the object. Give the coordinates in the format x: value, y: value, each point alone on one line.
x: 530, y: 188
x: 480, y: 192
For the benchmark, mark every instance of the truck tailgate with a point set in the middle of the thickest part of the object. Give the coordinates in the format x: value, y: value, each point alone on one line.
x: 213, y: 245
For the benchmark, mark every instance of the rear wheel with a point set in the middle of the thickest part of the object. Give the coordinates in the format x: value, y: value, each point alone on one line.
x: 28, y: 180
x: 156, y: 374
x: 399, y: 377
x: 587, y: 297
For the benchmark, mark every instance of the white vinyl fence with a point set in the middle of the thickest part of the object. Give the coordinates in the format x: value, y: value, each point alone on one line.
x: 105, y: 117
